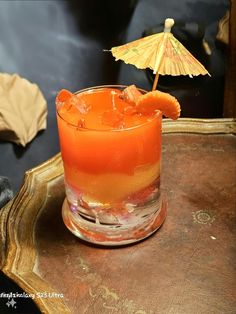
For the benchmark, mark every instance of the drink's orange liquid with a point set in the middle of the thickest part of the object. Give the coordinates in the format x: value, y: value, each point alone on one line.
x: 111, y: 156
x: 109, y: 152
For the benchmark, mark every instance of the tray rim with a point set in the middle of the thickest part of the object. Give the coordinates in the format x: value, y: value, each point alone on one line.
x: 200, y: 126
x: 10, y: 256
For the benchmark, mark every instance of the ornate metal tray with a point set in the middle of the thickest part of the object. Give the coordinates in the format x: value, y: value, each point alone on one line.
x: 188, y: 266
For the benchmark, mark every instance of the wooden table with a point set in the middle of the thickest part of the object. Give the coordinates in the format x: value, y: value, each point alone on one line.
x: 188, y: 266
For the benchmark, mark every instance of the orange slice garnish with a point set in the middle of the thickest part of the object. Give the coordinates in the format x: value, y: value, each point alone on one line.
x: 156, y: 100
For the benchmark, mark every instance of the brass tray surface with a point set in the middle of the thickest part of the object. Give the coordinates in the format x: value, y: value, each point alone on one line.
x: 188, y: 266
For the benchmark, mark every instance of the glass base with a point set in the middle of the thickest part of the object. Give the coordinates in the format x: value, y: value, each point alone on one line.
x: 112, y: 234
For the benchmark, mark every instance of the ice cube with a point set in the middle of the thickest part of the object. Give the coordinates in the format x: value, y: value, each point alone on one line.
x: 82, y: 106
x: 113, y: 118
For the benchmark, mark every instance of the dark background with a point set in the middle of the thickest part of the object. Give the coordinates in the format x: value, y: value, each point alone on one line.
x: 59, y: 44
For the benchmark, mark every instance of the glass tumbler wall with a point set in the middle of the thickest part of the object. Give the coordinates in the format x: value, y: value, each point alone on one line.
x: 112, y: 174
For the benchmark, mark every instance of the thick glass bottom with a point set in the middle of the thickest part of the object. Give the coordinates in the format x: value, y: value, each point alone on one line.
x: 114, y: 233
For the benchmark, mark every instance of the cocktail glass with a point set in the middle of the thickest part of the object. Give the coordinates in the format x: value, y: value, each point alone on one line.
x: 112, y: 177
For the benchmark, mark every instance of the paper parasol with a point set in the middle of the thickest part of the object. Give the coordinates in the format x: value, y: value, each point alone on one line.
x: 162, y: 53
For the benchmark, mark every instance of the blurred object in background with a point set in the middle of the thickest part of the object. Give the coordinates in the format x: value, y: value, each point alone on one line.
x: 23, y: 109
x: 103, y: 19
x: 6, y: 193
x: 227, y: 36
x: 223, y: 29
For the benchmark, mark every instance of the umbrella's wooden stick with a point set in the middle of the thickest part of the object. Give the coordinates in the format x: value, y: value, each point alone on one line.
x: 154, y: 86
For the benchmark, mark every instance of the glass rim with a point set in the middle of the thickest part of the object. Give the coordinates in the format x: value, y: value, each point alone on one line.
x: 155, y: 116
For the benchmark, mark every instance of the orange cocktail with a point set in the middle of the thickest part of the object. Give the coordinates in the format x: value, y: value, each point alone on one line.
x: 111, y: 155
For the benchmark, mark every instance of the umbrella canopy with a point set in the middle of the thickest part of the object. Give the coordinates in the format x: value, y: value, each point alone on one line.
x: 162, y: 53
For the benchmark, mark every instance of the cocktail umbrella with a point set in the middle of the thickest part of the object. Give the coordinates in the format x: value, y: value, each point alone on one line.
x: 162, y: 53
